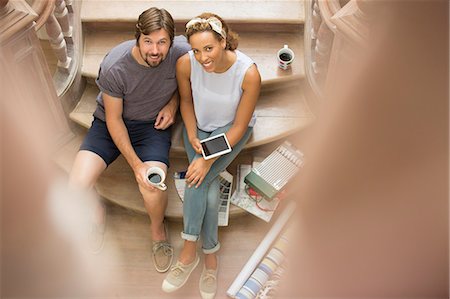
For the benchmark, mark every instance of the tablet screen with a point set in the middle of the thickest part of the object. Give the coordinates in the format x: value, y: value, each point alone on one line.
x: 215, y: 145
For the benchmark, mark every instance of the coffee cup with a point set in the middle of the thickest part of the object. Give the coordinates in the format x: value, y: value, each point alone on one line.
x: 155, y: 177
x: 285, y: 57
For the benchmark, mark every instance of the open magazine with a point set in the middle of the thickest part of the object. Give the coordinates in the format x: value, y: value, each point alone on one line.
x: 226, y: 182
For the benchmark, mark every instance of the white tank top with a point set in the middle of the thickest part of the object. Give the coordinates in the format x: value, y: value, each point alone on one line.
x: 217, y: 96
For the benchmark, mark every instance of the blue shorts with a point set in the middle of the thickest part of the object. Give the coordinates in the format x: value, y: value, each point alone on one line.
x: 149, y: 143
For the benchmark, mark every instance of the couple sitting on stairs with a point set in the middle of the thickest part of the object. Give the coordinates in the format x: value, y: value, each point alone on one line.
x: 141, y: 84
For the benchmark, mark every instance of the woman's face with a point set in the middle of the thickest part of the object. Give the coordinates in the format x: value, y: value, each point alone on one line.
x: 208, y: 50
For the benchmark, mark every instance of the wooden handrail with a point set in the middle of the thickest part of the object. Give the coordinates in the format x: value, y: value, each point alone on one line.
x: 43, y: 9
x: 328, y: 8
x: 14, y: 16
x: 350, y: 21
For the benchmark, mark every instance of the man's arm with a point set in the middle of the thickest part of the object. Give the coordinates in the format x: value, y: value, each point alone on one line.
x: 119, y: 134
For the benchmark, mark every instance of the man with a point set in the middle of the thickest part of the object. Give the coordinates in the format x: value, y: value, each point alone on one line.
x: 136, y: 105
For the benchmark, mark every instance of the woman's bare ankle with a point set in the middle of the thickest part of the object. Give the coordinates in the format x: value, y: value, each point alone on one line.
x: 211, y: 261
x: 188, y: 253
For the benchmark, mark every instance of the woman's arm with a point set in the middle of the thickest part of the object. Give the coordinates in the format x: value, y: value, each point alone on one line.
x: 186, y: 103
x: 251, y: 87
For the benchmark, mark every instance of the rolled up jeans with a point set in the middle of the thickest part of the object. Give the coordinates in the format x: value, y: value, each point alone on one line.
x: 201, y: 205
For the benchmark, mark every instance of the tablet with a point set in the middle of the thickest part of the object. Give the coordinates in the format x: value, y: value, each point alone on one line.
x: 215, y: 146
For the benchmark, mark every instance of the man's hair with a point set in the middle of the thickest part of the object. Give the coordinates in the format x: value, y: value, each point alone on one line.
x: 154, y: 19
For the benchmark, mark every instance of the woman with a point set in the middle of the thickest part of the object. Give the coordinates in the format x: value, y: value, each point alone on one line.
x: 219, y: 87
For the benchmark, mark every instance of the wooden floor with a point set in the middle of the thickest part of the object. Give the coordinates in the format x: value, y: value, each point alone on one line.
x: 128, y: 233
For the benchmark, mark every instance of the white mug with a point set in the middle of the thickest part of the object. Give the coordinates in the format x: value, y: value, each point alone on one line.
x: 155, y: 177
x: 285, y: 57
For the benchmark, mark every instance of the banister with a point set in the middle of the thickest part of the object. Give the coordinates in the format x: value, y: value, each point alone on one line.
x: 350, y: 21
x: 328, y: 8
x: 308, y: 41
x: 14, y: 16
x: 43, y: 9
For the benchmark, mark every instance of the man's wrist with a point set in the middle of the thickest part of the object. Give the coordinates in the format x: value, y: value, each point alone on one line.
x: 174, y: 102
x: 135, y: 165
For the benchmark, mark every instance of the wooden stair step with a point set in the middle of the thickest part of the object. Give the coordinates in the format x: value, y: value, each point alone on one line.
x: 118, y: 185
x: 280, y: 113
x: 262, y: 47
x: 239, y: 11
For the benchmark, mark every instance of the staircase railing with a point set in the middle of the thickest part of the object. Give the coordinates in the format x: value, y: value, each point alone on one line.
x: 56, y: 16
x: 53, y: 14
x: 43, y: 9
x: 25, y: 76
x: 331, y: 30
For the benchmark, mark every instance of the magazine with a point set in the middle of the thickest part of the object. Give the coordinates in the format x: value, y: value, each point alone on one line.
x: 226, y: 182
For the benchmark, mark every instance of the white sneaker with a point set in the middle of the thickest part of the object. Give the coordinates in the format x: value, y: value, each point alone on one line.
x: 208, y: 283
x: 178, y: 275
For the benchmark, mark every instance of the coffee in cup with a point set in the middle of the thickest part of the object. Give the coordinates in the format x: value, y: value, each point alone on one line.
x: 155, y: 177
x: 285, y: 57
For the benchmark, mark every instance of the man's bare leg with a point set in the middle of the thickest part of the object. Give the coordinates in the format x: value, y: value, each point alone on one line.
x: 156, y: 203
x: 86, y: 169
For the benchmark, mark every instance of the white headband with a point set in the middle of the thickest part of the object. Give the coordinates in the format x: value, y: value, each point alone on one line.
x: 215, y: 23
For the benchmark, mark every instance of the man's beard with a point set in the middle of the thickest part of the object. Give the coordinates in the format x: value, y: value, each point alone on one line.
x: 152, y: 64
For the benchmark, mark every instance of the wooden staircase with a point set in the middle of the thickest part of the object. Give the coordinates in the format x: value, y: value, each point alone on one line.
x: 263, y: 26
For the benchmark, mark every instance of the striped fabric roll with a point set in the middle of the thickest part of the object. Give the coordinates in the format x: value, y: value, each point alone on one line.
x: 265, y: 269
x: 244, y: 294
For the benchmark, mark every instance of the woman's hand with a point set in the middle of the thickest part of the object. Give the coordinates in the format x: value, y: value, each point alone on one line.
x: 197, y: 171
x: 195, y: 142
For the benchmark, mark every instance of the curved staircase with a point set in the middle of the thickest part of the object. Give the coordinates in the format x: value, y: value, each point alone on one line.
x: 263, y: 26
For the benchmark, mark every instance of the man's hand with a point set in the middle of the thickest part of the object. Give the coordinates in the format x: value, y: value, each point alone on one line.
x: 195, y: 142
x: 166, y: 117
x: 197, y: 171
x: 140, y: 172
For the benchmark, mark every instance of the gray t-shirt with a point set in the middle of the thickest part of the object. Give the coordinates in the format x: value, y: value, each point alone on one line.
x: 144, y: 90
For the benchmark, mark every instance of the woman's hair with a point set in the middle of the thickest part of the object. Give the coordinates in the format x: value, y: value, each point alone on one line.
x: 201, y: 24
x: 155, y: 19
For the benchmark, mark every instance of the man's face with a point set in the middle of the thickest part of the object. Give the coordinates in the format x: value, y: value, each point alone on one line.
x: 154, y: 47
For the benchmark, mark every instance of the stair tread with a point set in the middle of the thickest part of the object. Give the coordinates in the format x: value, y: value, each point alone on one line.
x: 118, y: 184
x: 255, y: 44
x: 279, y: 113
x: 286, y: 11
